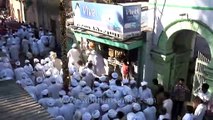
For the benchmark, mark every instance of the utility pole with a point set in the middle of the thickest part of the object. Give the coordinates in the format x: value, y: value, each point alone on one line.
x: 66, y: 76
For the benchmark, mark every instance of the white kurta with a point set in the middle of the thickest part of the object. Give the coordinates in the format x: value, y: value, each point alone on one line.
x: 25, y: 46
x: 150, y: 113
x: 145, y: 94
x: 67, y: 111
x: 74, y: 56
x: 53, y: 111
x: 168, y: 104
x: 14, y: 52
x: 39, y: 88
x: 200, y: 112
x: 54, y: 90
x: 188, y: 116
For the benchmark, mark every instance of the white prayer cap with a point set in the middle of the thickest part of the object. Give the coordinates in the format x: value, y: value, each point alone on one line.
x: 84, y: 72
x: 39, y: 80
x: 87, y: 90
x: 105, y: 107
x: 50, y: 102
x: 112, y: 113
x: 18, y: 82
x: 42, y: 61
x: 29, y: 55
x: 44, y: 92
x: 121, y: 103
x: 128, y: 98
x: 132, y: 81
x: 24, y: 75
x: 144, y: 83
x: 114, y: 75
x: 104, y: 86
x: 149, y: 101
x: 49, y: 33
x: 74, y: 83
x: 125, y: 81
x: 48, y: 73
x: 102, y: 78
x: 96, y: 83
x: 96, y: 114
x: 35, y: 60
x: 28, y: 82
x: 26, y: 61
x: 136, y: 106
x: 109, y: 93
x: 92, y: 97
x: 98, y: 93
x: 74, y: 45
x: 77, y: 76
x: 93, y: 52
x: 59, y: 118
x: 86, y: 116
x: 113, y: 88
x: 47, y: 59
x: 18, y: 63
x: 62, y: 92
x: 65, y: 99
x: 82, y: 83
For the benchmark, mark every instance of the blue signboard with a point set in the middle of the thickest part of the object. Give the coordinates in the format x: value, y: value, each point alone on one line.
x: 114, y: 20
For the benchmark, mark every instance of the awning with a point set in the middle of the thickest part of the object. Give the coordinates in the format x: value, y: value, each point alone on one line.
x: 127, y: 44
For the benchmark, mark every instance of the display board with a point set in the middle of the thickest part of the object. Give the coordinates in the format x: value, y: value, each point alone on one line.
x: 119, y: 21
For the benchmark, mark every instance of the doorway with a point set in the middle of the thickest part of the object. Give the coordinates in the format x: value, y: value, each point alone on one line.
x: 186, y: 46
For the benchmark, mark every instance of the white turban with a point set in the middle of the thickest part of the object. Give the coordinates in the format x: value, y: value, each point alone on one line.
x: 62, y: 92
x: 96, y: 83
x: 128, y: 98
x: 50, y: 102
x: 26, y: 61
x: 82, y: 83
x: 149, y: 101
x: 125, y: 81
x: 87, y: 90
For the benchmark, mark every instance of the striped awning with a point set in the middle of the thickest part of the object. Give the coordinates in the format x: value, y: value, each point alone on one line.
x: 16, y: 104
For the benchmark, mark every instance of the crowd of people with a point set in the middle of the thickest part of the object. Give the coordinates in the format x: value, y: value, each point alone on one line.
x: 92, y: 94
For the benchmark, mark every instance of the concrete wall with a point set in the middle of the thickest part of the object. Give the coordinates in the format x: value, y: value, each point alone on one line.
x: 168, y: 11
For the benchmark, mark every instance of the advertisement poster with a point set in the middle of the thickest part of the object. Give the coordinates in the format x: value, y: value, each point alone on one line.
x: 112, y: 20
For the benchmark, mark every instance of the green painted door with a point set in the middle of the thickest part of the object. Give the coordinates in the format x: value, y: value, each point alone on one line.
x: 179, y: 67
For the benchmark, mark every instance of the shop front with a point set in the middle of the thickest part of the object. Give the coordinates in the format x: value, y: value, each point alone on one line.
x: 113, y: 51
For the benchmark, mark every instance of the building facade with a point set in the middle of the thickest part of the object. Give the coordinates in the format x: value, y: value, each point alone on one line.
x: 178, y: 26
x: 17, y: 10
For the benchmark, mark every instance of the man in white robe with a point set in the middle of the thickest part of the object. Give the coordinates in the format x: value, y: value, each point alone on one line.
x: 74, y: 55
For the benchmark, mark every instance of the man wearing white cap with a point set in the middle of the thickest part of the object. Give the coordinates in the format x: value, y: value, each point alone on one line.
x: 93, y: 104
x: 52, y: 109
x: 73, y: 55
x: 28, y: 68
x: 77, y: 115
x: 34, y: 47
x: 54, y: 89
x: 44, y: 99
x: 40, y: 87
x: 51, y: 40
x: 150, y: 110
x: 137, y: 113
x: 47, y: 79
x: 126, y: 89
x: 25, y: 46
x: 14, y: 52
x: 128, y: 99
x: 134, y: 89
x: 144, y: 91
x: 58, y: 101
x: 30, y: 88
x: 67, y: 110
x: 41, y: 48
x: 112, y: 114
x: 87, y: 77
x: 98, y: 62
x: 7, y: 74
x: 86, y: 116
x: 114, y: 78
x: 96, y: 115
x: 104, y: 108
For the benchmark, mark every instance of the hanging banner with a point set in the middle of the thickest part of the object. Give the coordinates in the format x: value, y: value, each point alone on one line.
x: 114, y: 20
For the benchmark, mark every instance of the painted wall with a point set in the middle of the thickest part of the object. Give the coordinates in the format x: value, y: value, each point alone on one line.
x: 168, y: 11
x: 15, y: 6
